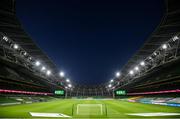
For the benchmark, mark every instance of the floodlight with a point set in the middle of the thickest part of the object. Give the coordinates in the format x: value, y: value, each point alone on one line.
x: 5, y: 38
x: 48, y: 72
x: 136, y: 68
x: 155, y: 53
x: 25, y: 53
x: 175, y: 38
x: 66, y: 87
x: 131, y: 72
x: 15, y: 46
x: 142, y: 63
x: 150, y: 58
x: 109, y: 85
x: 69, y: 85
x: 43, y: 68
x: 30, y: 58
x: 62, y: 74
x: 37, y: 63
x: 67, y: 80
x: 111, y: 80
x: 164, y: 46
x: 118, y: 74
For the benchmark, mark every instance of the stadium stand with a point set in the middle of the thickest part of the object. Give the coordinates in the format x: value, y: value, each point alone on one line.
x: 151, y: 76
x: 154, y: 67
x: 23, y: 99
x: 18, y: 55
x: 169, y: 101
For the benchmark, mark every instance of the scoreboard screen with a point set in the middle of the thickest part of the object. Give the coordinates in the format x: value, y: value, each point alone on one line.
x: 120, y: 92
x: 59, y: 92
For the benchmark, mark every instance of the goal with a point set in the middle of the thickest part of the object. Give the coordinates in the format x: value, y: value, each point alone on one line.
x: 89, y: 110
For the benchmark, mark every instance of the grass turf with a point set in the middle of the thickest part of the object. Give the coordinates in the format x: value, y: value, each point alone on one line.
x: 115, y: 109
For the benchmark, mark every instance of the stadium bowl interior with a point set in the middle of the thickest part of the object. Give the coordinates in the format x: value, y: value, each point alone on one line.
x: 150, y: 90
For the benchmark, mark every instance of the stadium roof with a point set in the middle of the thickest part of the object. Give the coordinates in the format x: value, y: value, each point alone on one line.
x: 10, y: 26
x: 168, y: 27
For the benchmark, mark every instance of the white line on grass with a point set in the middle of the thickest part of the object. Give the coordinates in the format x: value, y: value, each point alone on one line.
x: 154, y: 114
x: 39, y: 114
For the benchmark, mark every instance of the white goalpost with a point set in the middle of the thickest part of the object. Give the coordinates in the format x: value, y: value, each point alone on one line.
x: 89, y: 109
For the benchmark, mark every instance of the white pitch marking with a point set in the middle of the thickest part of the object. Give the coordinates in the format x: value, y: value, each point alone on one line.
x: 38, y: 114
x: 64, y: 115
x: 11, y: 103
x: 154, y: 114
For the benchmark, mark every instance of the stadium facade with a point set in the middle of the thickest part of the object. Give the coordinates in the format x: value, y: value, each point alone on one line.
x: 153, y: 68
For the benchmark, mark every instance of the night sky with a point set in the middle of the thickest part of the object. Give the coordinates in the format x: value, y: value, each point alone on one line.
x: 90, y: 39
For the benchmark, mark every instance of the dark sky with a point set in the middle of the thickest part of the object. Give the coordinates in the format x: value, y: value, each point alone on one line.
x: 90, y: 39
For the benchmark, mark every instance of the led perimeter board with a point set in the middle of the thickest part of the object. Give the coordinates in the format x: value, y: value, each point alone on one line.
x: 59, y: 92
x: 120, y: 92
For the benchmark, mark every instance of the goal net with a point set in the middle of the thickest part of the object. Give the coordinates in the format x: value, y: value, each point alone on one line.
x: 90, y: 110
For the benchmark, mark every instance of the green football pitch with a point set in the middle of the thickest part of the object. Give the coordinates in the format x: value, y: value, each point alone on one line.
x: 76, y: 108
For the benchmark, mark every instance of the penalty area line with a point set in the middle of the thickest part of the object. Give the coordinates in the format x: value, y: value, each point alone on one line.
x: 40, y: 114
x: 153, y: 114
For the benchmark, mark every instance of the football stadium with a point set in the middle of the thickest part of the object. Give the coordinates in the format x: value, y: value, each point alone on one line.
x: 32, y: 86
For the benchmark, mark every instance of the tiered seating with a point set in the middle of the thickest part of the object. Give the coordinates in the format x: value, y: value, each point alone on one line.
x: 11, y: 100
x: 169, y: 101
x: 174, y: 100
x: 165, y: 77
